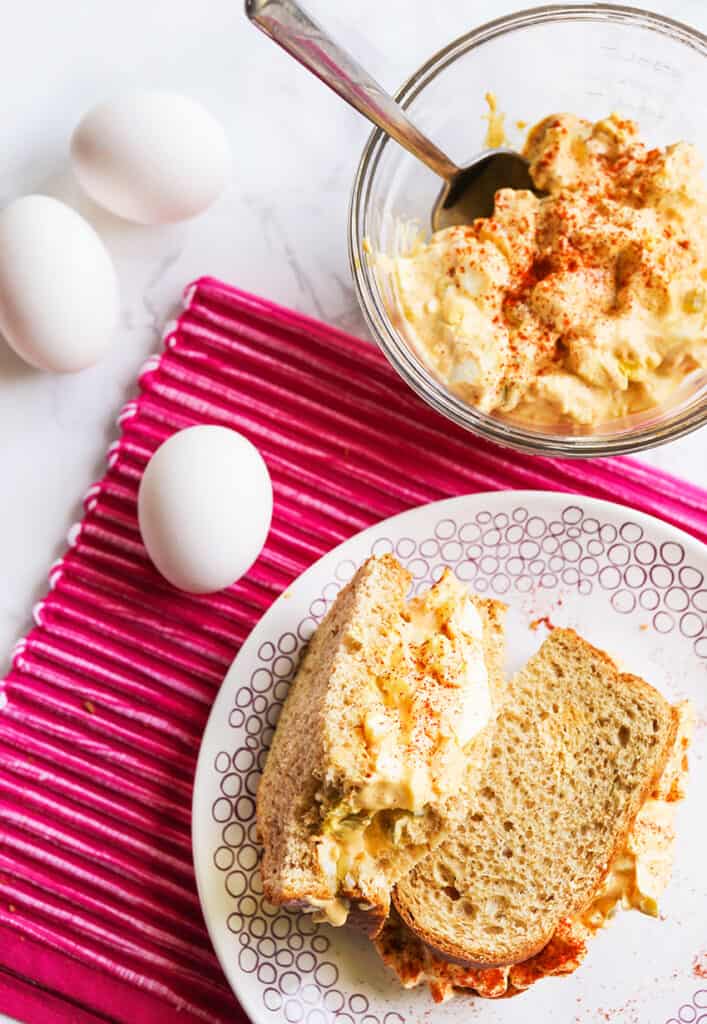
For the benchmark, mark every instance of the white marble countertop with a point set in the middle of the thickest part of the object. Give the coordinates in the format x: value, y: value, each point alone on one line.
x: 279, y: 230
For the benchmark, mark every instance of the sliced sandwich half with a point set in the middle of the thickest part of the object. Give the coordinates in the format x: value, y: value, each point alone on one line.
x: 573, y: 817
x: 390, y: 710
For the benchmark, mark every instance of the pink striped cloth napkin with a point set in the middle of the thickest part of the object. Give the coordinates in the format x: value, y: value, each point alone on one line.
x: 102, y: 711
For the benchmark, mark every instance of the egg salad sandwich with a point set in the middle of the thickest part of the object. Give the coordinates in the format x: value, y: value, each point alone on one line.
x: 573, y: 816
x: 387, y: 722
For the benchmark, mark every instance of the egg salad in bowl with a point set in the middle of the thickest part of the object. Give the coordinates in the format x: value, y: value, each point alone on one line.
x: 582, y: 304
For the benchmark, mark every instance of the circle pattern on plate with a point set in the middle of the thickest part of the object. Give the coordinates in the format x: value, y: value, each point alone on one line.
x: 694, y: 1012
x: 290, y: 956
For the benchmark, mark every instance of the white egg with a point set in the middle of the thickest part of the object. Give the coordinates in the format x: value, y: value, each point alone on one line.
x: 151, y: 157
x: 204, y: 508
x: 59, y: 300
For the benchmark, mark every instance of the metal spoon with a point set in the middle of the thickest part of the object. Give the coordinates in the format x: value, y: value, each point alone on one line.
x: 468, y: 191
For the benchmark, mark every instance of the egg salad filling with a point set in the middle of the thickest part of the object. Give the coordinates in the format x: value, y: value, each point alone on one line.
x: 435, y: 700
x: 641, y: 870
x: 579, y: 307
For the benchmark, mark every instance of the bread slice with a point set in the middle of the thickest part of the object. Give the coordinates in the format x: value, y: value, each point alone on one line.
x: 577, y: 749
x: 637, y: 875
x: 364, y: 771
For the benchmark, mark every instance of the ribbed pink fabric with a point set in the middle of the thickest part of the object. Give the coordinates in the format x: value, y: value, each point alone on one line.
x: 107, y: 697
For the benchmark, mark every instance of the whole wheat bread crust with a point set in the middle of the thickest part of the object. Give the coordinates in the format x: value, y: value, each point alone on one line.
x: 282, y: 787
x: 483, y: 956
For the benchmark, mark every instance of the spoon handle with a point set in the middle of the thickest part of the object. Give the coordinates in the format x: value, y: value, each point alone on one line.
x: 289, y: 26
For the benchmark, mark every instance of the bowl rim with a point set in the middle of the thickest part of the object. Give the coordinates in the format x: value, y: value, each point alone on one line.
x: 410, y: 368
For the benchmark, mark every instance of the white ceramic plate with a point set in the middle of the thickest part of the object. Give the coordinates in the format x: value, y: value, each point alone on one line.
x: 627, y: 582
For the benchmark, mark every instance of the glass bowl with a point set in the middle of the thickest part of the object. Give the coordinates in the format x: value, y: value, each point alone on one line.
x: 585, y: 58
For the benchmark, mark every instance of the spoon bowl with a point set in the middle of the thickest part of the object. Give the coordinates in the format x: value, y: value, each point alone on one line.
x: 471, y: 192
x: 468, y: 192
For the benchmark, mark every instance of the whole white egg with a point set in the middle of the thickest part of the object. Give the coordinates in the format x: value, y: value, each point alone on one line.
x: 59, y: 302
x: 151, y: 157
x: 204, y: 508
